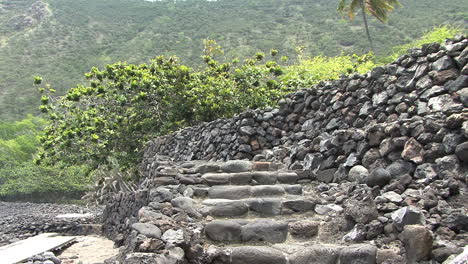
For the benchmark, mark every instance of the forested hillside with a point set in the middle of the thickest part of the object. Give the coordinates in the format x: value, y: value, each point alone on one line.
x: 62, y: 39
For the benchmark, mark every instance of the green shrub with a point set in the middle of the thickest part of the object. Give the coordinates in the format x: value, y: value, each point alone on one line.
x: 437, y: 34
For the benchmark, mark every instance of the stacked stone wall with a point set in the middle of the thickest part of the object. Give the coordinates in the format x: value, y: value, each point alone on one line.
x: 419, y: 100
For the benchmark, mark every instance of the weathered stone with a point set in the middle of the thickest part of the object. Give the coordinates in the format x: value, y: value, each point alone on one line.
x: 456, y: 221
x: 229, y: 192
x: 287, y: 177
x: 457, y: 84
x: 236, y: 166
x: 247, y: 130
x: 312, y: 161
x: 370, y: 157
x: 418, y: 243
x: 323, y: 209
x: 265, y: 231
x: 315, y: 254
x: 393, y: 197
x: 444, y: 76
x: 464, y: 96
x: 443, y: 63
x: 175, y: 237
x: 426, y: 171
x: 305, y: 229
x: 265, y: 177
x: 444, y: 103
x: 462, y: 151
x: 424, y: 83
x: 300, y: 205
x: 234, y: 208
x: 451, y: 141
x: 266, y: 206
x: 148, y: 230
x: 358, y: 174
x: 241, y: 178
x: 267, y: 190
x: 257, y: 255
x: 378, y: 177
x: 413, y: 151
x: 400, y: 168
x: 358, y: 254
x: 217, y: 178
x: 223, y: 231
x: 187, y: 205
x: 362, y: 211
x: 432, y: 92
x: 407, y: 216
x: 326, y: 175
x: 160, y: 195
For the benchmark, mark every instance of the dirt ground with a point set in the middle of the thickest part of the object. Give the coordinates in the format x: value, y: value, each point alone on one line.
x: 88, y: 250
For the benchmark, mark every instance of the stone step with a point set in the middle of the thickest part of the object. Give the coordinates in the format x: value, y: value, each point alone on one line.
x: 250, y: 178
x: 258, y: 206
x: 234, y: 192
x: 260, y: 230
x: 298, y: 254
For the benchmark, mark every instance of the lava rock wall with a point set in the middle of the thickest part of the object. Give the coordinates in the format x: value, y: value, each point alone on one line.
x: 412, y: 110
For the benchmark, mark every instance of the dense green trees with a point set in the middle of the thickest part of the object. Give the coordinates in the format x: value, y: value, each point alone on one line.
x: 20, y: 178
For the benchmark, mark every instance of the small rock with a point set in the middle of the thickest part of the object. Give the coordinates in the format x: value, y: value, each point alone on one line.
x: 413, y: 151
x: 378, y: 177
x: 393, y: 197
x: 306, y: 229
x: 418, y: 243
x: 358, y: 174
x: 407, y: 216
x: 462, y: 151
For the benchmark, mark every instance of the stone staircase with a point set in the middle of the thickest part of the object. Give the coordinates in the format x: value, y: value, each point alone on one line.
x: 253, y: 212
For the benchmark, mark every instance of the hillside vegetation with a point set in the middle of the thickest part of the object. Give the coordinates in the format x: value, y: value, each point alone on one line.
x: 62, y: 39
x: 106, y: 121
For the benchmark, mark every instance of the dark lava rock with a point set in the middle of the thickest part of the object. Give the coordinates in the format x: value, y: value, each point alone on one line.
x: 378, y: 177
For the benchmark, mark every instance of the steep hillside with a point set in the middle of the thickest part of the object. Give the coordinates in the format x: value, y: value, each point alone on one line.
x: 61, y: 39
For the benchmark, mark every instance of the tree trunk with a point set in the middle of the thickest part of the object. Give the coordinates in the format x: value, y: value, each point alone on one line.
x: 367, y: 27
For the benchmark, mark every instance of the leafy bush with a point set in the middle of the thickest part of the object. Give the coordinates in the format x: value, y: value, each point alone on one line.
x: 27, y: 180
x: 310, y: 71
x: 21, y: 178
x: 125, y: 105
x: 437, y: 35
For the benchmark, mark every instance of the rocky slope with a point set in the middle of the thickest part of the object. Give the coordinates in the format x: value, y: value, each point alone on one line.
x: 366, y: 169
x: 22, y: 220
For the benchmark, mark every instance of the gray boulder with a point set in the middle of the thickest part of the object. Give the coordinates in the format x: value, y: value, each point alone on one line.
x: 148, y: 230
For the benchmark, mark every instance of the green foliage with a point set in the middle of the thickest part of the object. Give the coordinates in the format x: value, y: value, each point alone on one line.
x: 73, y: 36
x: 308, y: 72
x: 19, y: 140
x: 20, y: 177
x: 437, y: 35
x: 26, y: 180
x: 125, y: 105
